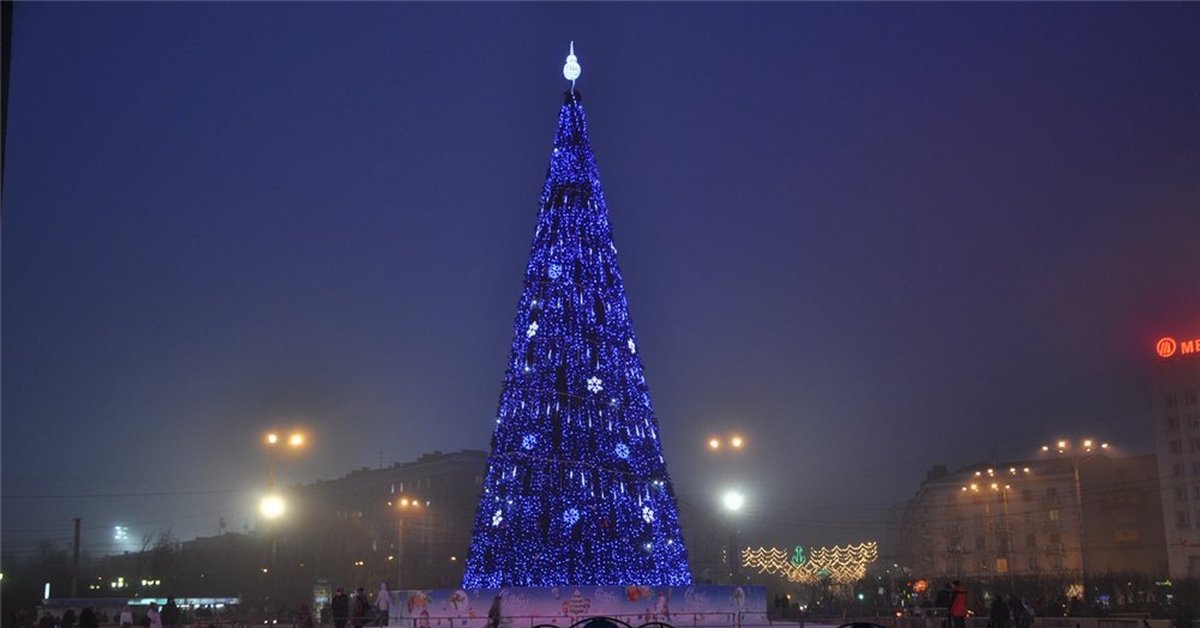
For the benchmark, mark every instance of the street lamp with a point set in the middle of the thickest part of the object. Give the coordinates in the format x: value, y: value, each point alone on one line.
x: 1002, y: 490
x: 272, y: 505
x: 733, y: 501
x: 1075, y: 454
x: 403, y: 505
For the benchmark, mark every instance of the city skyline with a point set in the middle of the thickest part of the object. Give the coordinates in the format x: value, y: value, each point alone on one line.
x: 869, y: 239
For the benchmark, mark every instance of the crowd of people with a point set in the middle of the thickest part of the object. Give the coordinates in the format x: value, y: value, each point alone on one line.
x: 167, y: 617
x: 345, y: 611
x: 359, y: 611
x: 1010, y: 612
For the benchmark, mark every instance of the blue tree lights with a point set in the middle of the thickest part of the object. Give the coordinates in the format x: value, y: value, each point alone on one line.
x: 576, y: 490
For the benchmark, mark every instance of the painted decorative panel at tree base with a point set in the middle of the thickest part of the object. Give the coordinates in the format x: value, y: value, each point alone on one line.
x: 523, y: 607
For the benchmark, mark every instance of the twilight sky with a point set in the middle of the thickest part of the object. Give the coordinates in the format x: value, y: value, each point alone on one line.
x: 870, y: 237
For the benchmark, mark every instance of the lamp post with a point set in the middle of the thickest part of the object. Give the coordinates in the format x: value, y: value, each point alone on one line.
x: 1002, y: 490
x: 729, y: 446
x: 1075, y: 453
x: 272, y: 505
x: 403, y: 505
x: 733, y: 501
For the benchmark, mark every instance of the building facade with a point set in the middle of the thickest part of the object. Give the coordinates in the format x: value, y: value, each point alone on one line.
x: 1055, y: 517
x: 408, y: 524
x: 1175, y: 387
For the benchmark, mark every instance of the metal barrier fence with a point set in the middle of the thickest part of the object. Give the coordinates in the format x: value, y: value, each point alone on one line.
x: 680, y: 620
x: 687, y: 620
x: 1130, y: 621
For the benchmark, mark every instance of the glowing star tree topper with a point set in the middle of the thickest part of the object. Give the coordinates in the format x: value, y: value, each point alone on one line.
x: 576, y: 490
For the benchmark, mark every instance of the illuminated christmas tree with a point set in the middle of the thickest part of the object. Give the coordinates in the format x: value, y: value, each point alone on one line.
x: 576, y: 490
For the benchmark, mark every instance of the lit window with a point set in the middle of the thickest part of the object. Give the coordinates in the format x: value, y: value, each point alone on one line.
x: 1052, y: 514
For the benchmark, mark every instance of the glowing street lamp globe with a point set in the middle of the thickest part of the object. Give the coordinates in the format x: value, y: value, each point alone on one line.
x: 272, y: 506
x: 733, y: 501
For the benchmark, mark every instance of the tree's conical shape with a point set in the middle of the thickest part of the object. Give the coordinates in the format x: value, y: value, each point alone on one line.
x: 576, y: 490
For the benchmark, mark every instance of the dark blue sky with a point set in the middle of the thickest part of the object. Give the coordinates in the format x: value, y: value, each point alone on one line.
x: 871, y: 237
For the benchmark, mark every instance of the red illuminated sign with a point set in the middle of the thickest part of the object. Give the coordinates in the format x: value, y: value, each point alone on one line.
x: 1167, y: 347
